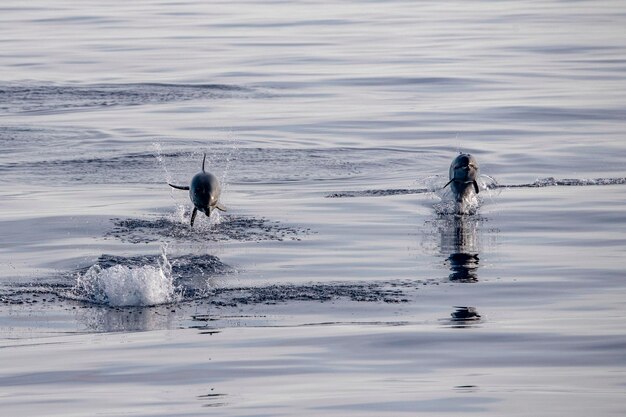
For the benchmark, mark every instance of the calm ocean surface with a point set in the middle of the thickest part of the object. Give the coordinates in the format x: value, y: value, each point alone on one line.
x: 335, y: 284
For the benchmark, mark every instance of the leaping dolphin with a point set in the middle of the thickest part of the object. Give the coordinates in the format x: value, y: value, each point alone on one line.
x: 204, y: 192
x: 463, y: 175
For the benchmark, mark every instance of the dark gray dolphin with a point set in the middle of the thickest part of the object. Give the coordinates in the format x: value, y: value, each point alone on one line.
x: 204, y: 192
x: 463, y: 175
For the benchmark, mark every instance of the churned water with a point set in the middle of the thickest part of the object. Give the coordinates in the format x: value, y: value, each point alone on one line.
x: 339, y: 282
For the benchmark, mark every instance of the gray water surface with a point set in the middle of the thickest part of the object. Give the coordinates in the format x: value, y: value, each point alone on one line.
x: 335, y: 284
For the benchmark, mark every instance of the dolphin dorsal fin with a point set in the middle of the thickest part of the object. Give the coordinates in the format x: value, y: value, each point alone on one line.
x: 203, y: 159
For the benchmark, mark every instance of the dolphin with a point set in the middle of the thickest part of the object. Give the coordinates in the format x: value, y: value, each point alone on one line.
x: 204, y: 192
x: 463, y: 175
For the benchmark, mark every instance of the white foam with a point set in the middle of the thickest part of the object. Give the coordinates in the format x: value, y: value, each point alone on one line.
x: 488, y: 186
x: 121, y: 285
x: 181, y: 213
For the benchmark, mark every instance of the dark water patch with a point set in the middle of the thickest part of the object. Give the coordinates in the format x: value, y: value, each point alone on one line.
x: 231, y: 227
x: 63, y: 98
x: 378, y: 193
x: 32, y: 295
x: 221, y: 297
x: 386, y: 292
x: 463, y: 317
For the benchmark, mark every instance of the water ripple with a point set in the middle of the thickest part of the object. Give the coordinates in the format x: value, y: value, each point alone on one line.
x: 63, y: 98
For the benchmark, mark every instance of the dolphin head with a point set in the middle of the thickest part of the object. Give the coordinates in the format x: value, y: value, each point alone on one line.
x: 464, y: 168
x: 463, y: 176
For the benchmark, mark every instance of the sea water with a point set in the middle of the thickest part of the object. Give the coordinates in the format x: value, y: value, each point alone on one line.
x: 339, y: 282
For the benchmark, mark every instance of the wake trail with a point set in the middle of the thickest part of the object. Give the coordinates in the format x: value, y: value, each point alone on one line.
x: 539, y: 183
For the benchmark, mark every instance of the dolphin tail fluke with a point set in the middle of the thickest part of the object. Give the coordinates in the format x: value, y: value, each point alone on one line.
x: 179, y: 187
x: 203, y: 159
x: 476, y: 187
x: 193, y: 215
x: 220, y: 207
x: 448, y: 183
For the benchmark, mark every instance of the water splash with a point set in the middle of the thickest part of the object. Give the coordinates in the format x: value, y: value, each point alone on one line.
x: 229, y: 157
x: 182, y: 214
x: 121, y: 285
x: 223, y: 227
x: 432, y: 183
x: 449, y: 205
x: 158, y: 153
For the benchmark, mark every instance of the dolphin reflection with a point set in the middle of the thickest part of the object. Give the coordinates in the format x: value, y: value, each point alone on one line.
x: 464, y: 317
x: 459, y: 241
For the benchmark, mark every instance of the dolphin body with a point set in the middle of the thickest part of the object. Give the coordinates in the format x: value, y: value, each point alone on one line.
x: 463, y: 175
x: 204, y: 192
